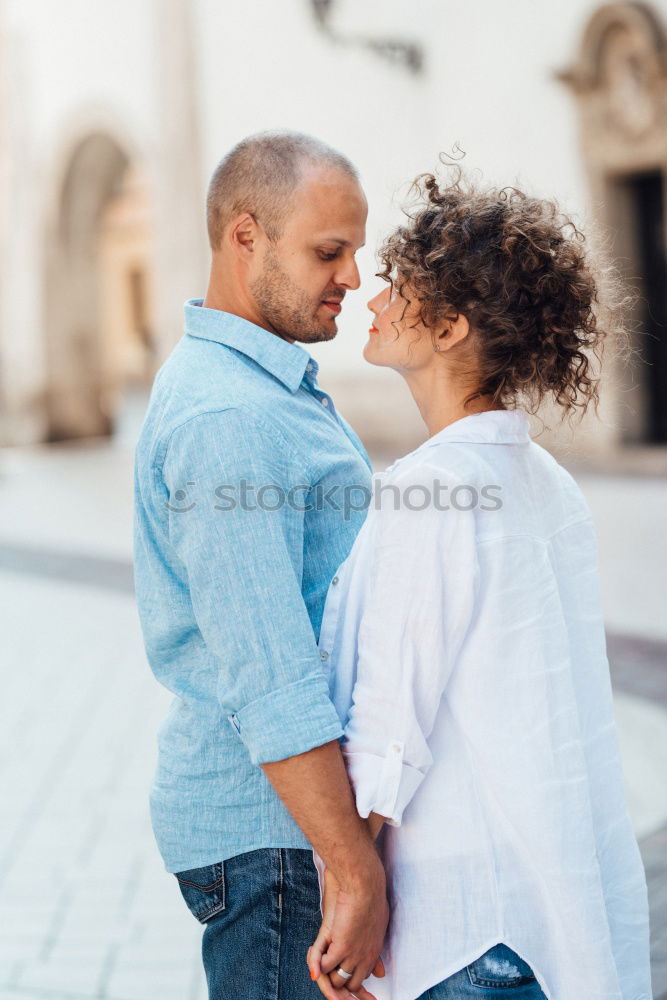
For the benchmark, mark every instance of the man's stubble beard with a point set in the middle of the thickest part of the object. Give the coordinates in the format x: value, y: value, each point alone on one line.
x: 286, y: 307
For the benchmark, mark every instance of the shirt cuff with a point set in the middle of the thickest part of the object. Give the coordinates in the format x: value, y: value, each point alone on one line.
x: 291, y: 720
x: 382, y: 785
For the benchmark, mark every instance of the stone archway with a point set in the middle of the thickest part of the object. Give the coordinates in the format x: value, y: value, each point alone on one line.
x: 98, y: 308
x: 619, y: 80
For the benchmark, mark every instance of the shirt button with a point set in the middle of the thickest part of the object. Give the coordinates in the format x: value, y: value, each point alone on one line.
x: 335, y: 581
x: 325, y: 402
x: 324, y: 655
x: 396, y: 747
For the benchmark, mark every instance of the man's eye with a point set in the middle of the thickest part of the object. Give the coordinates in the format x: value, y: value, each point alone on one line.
x: 327, y: 256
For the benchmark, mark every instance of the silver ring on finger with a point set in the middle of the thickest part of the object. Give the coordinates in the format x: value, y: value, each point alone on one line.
x: 343, y: 974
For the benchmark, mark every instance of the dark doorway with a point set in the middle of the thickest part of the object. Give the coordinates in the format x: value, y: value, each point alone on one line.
x: 642, y: 245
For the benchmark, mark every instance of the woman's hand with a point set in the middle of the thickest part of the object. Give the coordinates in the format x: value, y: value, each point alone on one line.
x: 322, y: 942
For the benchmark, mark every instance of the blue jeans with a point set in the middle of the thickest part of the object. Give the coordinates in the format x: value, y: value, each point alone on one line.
x: 261, y: 913
x: 498, y: 973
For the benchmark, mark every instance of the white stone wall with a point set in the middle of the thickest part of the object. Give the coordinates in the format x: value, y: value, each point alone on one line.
x: 176, y: 83
x: 71, y: 69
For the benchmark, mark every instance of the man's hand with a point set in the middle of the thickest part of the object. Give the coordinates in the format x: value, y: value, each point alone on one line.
x: 314, y: 786
x: 353, y: 918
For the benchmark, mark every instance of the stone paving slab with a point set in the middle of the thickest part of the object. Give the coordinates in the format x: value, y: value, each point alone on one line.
x: 86, y: 909
x: 639, y: 665
x: 74, y: 567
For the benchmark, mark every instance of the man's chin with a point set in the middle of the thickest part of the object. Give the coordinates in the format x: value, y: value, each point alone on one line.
x: 320, y: 333
x: 331, y: 330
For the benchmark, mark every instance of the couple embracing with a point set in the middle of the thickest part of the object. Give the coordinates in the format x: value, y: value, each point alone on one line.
x: 390, y: 768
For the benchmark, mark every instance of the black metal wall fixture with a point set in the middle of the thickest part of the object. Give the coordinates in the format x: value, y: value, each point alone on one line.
x: 402, y: 53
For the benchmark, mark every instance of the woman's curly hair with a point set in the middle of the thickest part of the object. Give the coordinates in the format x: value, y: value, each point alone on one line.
x: 516, y: 267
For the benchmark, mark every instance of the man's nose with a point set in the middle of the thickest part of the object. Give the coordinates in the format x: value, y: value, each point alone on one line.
x: 348, y: 275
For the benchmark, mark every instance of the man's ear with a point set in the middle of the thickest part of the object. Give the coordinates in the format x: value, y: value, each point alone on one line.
x: 242, y: 234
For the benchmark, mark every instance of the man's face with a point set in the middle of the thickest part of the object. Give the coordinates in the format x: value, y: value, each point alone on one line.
x: 302, y: 278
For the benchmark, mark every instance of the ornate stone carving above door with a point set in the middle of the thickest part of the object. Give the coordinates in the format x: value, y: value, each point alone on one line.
x: 631, y: 78
x: 620, y: 73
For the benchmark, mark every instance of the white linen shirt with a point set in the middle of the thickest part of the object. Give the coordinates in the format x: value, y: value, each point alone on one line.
x: 467, y: 661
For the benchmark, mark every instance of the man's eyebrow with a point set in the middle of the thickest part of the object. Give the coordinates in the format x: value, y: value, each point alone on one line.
x: 341, y: 242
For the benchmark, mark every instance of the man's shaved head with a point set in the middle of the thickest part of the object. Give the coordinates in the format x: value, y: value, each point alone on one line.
x: 286, y: 217
x: 260, y: 176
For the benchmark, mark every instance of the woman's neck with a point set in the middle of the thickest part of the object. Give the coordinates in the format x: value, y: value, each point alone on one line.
x: 440, y: 401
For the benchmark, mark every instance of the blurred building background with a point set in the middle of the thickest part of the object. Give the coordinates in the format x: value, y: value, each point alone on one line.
x: 112, y: 118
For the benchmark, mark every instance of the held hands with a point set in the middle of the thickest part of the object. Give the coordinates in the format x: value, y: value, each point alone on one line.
x: 353, y: 922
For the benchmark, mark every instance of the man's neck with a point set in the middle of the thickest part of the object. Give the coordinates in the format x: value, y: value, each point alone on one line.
x: 230, y: 301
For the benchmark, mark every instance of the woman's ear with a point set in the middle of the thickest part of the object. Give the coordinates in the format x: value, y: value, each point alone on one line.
x: 454, y: 330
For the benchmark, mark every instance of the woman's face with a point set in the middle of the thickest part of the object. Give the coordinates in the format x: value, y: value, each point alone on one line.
x: 397, y: 338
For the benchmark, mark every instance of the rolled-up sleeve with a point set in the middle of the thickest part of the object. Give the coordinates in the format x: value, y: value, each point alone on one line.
x: 417, y: 610
x: 236, y: 523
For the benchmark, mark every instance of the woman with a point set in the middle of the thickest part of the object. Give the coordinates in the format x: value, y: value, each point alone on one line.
x: 464, y: 632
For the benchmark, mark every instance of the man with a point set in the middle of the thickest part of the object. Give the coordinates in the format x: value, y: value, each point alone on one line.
x: 250, y: 489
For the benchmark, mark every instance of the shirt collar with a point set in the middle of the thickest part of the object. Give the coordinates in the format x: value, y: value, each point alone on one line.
x: 489, y: 427
x: 286, y: 362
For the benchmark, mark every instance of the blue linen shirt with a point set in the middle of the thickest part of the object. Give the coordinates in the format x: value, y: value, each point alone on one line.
x: 249, y: 492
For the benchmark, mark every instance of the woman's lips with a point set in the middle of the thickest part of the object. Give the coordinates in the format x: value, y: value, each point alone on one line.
x: 373, y: 329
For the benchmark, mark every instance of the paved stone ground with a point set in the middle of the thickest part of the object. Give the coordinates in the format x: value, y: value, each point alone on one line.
x: 85, y: 907
x: 86, y: 910
x: 639, y: 667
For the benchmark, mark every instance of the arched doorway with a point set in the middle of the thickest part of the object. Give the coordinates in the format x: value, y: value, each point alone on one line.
x: 98, y: 305
x: 620, y: 82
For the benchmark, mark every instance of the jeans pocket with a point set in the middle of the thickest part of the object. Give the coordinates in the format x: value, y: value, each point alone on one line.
x: 203, y: 889
x: 500, y: 968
